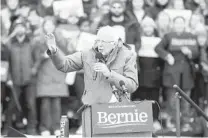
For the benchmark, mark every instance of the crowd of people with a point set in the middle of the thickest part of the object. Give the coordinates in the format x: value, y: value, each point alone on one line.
x: 32, y: 88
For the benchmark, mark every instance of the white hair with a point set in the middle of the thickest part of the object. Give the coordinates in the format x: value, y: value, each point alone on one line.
x: 107, y: 33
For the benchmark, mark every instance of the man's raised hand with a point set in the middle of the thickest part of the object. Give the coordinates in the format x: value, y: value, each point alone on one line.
x: 51, y: 42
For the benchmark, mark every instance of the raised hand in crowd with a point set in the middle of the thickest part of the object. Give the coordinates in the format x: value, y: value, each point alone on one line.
x: 51, y: 42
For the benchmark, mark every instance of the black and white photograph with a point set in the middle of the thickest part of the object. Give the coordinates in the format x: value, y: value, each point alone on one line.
x: 104, y: 68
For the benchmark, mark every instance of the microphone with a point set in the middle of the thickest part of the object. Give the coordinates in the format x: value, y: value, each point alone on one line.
x: 125, y: 90
x: 99, y: 58
x: 122, y: 84
x: 115, y: 92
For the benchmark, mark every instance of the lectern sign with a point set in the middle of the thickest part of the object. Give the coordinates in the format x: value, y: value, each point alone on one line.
x: 121, y: 118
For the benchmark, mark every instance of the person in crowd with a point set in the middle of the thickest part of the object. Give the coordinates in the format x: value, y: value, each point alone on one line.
x: 67, y: 33
x: 160, y: 5
x: 149, y: 3
x: 45, y: 8
x: 200, y: 125
x: 203, y: 43
x: 114, y: 54
x: 67, y: 30
x: 22, y: 14
x: 192, y: 5
x: 204, y: 123
x: 24, y: 9
x: 196, y: 6
x: 89, y: 6
x: 8, y: 14
x: 73, y: 19
x: 21, y: 66
x: 204, y: 12
x: 163, y: 23
x: 35, y: 22
x: 97, y: 15
x: 178, y: 48
x: 138, y: 10
x: 50, y: 83
x: 197, y: 93
x: 84, y: 26
x: 149, y: 27
x: 5, y: 91
x: 194, y: 21
x: 126, y: 25
x: 202, y: 81
x: 68, y: 19
x: 149, y: 86
x: 202, y: 6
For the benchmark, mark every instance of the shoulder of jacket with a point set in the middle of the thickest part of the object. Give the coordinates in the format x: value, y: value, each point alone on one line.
x: 86, y: 54
x: 126, y: 52
x: 131, y: 18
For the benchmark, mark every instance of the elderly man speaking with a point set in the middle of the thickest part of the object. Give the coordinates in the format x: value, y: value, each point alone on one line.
x: 117, y: 64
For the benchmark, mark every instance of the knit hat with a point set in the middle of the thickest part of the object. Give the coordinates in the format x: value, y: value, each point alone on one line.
x: 107, y: 34
x: 148, y: 21
x: 112, y: 2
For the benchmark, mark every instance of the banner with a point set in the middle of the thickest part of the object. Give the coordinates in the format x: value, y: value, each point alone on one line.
x: 122, y: 117
x: 148, y: 45
x: 4, y: 70
x: 85, y: 41
x: 68, y: 7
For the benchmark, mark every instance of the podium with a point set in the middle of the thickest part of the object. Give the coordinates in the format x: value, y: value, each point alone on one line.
x: 123, y: 119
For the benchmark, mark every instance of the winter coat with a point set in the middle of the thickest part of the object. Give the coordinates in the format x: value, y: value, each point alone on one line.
x: 131, y: 25
x: 50, y: 81
x: 121, y: 62
x: 6, y: 23
x: 21, y: 61
x: 181, y: 73
x: 150, y: 72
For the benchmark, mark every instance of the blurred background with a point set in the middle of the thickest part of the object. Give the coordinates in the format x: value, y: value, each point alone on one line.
x: 34, y: 94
